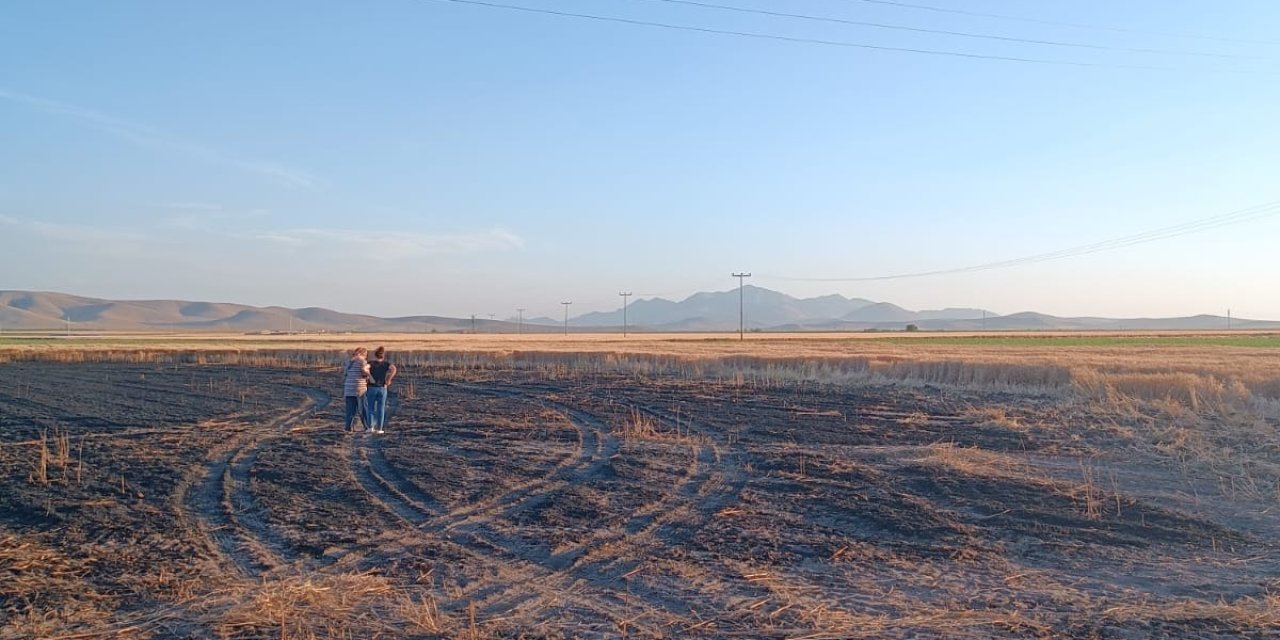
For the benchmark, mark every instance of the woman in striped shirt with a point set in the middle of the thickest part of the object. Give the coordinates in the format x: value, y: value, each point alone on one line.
x: 354, y: 384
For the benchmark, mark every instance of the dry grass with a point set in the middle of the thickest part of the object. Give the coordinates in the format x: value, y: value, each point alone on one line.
x: 1213, y: 410
x: 996, y: 416
x: 1261, y: 613
x: 355, y: 605
x: 40, y: 468
x: 1203, y: 404
x: 44, y: 459
x: 33, y: 574
x: 973, y: 461
x: 295, y: 608
x: 641, y: 426
x: 1205, y: 375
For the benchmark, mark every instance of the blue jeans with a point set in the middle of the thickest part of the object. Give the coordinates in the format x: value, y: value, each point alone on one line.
x: 356, y: 406
x: 375, y: 402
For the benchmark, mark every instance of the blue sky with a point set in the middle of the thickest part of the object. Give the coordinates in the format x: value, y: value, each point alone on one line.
x: 406, y: 157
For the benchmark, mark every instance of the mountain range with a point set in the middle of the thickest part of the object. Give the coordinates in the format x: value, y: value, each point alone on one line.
x: 764, y: 309
x: 769, y: 310
x: 27, y: 310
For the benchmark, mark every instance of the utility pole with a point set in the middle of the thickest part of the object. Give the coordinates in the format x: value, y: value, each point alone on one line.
x: 984, y: 319
x: 473, y: 323
x: 1228, y: 319
x: 67, y: 317
x: 742, y: 316
x: 520, y: 320
x: 624, y: 312
x: 566, y: 316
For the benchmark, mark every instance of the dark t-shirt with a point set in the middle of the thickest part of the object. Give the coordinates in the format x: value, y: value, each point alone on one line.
x: 379, y: 372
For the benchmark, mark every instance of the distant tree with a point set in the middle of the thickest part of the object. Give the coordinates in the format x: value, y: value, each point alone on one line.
x: 912, y: 327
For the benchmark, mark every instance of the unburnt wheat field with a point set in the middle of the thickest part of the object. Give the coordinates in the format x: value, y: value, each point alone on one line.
x: 212, y: 495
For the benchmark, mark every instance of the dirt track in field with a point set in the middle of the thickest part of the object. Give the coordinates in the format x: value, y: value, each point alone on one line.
x: 540, y: 504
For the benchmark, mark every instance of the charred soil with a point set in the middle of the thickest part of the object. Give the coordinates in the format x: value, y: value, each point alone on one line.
x: 209, y: 501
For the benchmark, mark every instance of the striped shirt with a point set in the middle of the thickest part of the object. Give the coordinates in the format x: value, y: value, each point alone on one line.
x: 355, y: 382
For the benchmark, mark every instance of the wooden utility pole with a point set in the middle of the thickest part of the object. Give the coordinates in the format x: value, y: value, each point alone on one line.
x: 566, y: 316
x: 742, y: 316
x: 624, y: 312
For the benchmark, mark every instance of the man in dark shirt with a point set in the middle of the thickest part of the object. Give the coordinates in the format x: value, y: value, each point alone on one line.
x: 381, y: 373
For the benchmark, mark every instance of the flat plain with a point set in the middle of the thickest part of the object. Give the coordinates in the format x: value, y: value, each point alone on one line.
x: 785, y: 486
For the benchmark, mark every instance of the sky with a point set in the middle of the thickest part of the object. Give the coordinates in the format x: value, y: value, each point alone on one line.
x: 403, y: 157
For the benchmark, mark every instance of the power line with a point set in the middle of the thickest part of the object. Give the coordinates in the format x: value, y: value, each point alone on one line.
x: 946, y: 32
x: 1073, y: 25
x: 1163, y: 233
x: 681, y: 291
x: 798, y: 40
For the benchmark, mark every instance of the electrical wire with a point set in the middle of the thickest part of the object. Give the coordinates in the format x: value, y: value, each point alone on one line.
x: 1195, y: 226
x: 1073, y: 25
x: 683, y: 290
x: 817, y: 41
x: 946, y: 32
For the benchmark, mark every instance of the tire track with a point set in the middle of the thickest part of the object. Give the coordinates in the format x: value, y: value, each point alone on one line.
x: 218, y: 503
x: 597, y: 566
x: 594, y: 449
x: 405, y: 500
x: 495, y: 560
x: 712, y: 481
x: 156, y: 396
x: 130, y: 433
x: 719, y: 477
x: 47, y: 410
x: 591, y: 454
x: 463, y: 529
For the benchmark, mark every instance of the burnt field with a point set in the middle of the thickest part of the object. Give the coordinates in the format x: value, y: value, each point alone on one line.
x: 210, y: 501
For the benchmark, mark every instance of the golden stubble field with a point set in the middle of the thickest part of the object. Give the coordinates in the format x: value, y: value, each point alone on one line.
x: 785, y: 486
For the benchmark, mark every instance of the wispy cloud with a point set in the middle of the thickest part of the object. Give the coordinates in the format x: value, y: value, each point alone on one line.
x: 280, y: 173
x: 189, y: 206
x: 203, y: 216
x: 145, y: 135
x: 396, y: 245
x: 85, y: 238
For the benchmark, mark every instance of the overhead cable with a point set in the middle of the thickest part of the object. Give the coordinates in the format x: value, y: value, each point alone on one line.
x: 946, y: 32
x: 1195, y: 226
x: 1073, y: 25
x: 817, y: 41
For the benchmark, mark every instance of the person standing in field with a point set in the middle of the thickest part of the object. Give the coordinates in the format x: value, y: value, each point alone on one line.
x: 381, y: 373
x: 355, y: 382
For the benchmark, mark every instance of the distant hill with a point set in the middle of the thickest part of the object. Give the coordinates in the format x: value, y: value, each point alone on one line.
x: 880, y: 312
x: 28, y: 310
x: 714, y: 311
x: 706, y: 311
